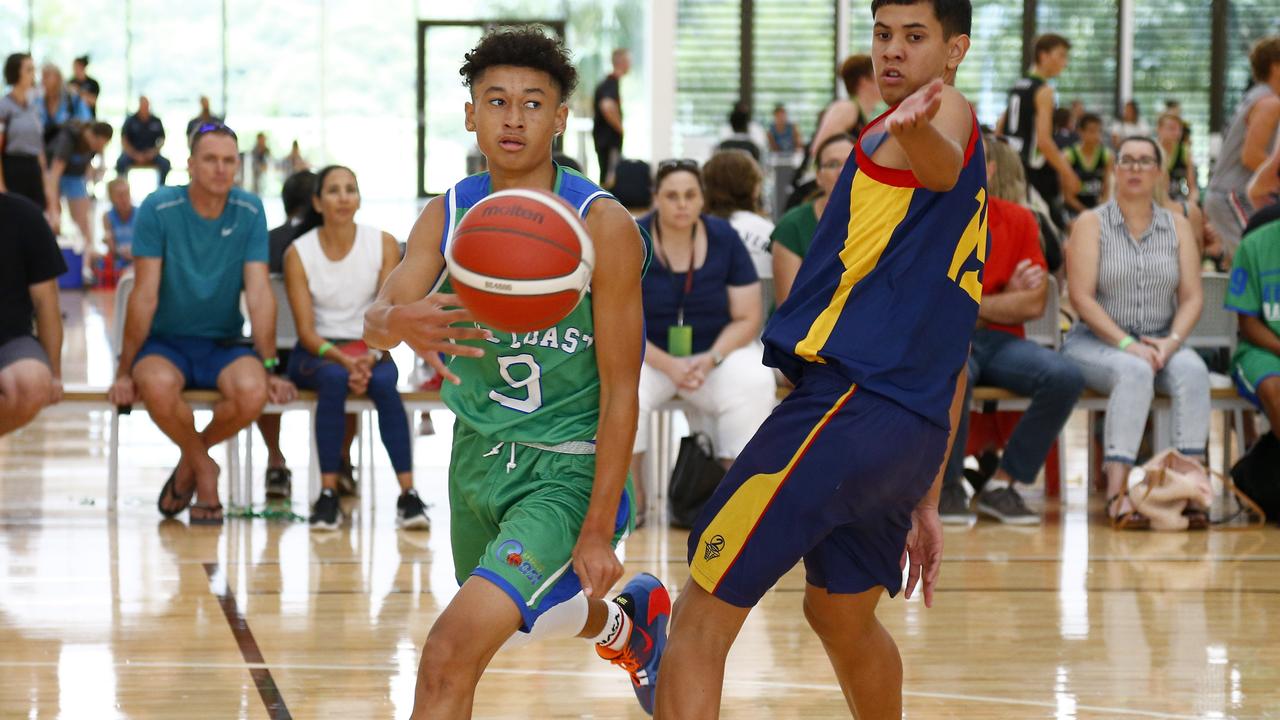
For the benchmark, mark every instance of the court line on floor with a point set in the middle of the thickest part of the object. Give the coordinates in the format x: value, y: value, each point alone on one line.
x: 249, y: 650
x: 520, y: 672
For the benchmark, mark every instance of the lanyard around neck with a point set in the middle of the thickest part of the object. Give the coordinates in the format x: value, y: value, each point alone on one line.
x: 681, y: 293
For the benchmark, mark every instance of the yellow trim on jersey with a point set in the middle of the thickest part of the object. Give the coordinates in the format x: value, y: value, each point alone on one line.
x: 972, y: 242
x: 875, y: 211
x: 727, y: 533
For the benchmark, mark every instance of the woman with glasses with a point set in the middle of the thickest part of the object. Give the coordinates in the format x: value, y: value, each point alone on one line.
x: 702, y: 311
x: 1134, y: 273
x: 794, y: 232
x: 332, y: 273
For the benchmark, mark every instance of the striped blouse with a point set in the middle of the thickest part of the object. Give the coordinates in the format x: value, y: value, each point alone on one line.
x: 1138, y: 278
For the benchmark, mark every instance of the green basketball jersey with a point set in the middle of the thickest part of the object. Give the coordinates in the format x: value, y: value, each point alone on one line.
x: 1255, y: 277
x: 540, y: 387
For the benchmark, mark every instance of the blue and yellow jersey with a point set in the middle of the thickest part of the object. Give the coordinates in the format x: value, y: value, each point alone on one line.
x: 888, y: 293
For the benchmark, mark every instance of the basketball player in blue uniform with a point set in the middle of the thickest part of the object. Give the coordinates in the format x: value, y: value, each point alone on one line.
x: 845, y: 473
x: 538, y: 487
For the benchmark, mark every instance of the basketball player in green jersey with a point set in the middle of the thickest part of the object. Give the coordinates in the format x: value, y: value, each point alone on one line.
x: 538, y: 486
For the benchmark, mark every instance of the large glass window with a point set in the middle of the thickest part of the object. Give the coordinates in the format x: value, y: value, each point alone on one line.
x: 1091, y: 26
x: 1171, y: 55
x: 794, y: 59
x: 13, y: 28
x: 708, y: 62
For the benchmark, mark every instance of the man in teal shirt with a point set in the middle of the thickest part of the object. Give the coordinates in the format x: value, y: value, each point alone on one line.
x: 195, y: 248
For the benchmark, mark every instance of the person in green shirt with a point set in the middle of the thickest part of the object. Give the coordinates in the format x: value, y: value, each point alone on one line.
x: 1255, y: 294
x: 794, y: 232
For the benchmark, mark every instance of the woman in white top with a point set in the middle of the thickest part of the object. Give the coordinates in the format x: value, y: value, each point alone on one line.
x: 332, y: 273
x: 733, y: 183
x: 1129, y: 125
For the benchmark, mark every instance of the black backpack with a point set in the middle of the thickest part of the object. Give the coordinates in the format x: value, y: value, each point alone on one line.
x: 696, y: 476
x: 1257, y: 475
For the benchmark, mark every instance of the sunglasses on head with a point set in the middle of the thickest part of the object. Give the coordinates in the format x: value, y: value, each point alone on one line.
x: 678, y: 164
x: 211, y: 127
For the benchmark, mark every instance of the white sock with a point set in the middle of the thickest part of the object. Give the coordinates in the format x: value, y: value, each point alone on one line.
x: 617, y: 628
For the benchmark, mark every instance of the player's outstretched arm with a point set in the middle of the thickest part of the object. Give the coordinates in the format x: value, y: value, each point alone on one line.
x: 933, y: 126
x: 405, y: 313
x: 619, y: 343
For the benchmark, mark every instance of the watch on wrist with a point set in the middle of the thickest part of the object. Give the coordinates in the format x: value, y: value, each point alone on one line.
x: 716, y: 357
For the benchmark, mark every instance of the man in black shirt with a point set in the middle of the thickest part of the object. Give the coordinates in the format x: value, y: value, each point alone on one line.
x: 83, y: 85
x: 30, y: 263
x: 1027, y: 126
x: 142, y: 137
x: 607, y: 130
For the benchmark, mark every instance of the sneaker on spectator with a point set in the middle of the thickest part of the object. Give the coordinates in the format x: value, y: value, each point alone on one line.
x: 347, y: 484
x: 411, y: 513
x: 324, y: 514
x: 1005, y: 504
x: 279, y: 483
x: 953, y: 505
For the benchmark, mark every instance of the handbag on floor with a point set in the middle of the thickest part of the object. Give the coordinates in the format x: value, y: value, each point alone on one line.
x: 1173, y: 485
x: 694, y: 479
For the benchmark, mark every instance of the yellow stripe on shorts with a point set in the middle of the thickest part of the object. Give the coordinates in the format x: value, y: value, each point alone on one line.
x: 728, y: 532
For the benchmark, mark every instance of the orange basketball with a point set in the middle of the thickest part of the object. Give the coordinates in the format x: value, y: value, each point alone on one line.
x: 520, y: 260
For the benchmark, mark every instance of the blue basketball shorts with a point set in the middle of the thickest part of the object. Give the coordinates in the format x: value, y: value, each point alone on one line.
x: 832, y: 477
x: 200, y: 360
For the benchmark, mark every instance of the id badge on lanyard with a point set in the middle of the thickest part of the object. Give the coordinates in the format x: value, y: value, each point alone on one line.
x: 680, y: 336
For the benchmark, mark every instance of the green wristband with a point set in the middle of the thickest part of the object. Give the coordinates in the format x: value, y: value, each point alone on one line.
x: 1126, y: 341
x: 271, y: 363
x: 324, y: 348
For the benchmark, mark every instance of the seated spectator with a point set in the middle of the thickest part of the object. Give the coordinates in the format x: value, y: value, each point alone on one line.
x: 1064, y: 133
x: 70, y: 155
x: 22, y: 164
x: 1014, y: 291
x: 733, y: 185
x: 1135, y: 281
x: 1170, y: 130
x: 1091, y: 161
x: 206, y: 116
x: 30, y: 263
x: 333, y: 272
x: 195, y: 248
x: 142, y: 136
x: 1255, y: 295
x: 794, y: 232
x: 1208, y: 243
x: 702, y: 315
x: 1009, y: 183
x: 296, y: 195
x: 83, y: 85
x: 117, y: 223
x: 59, y: 104
x: 784, y: 137
x: 740, y: 139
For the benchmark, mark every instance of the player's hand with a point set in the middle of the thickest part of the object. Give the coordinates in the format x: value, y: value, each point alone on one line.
x: 595, y: 563
x: 280, y: 391
x: 122, y: 391
x: 917, y: 110
x: 923, y: 552
x: 55, y: 391
x: 428, y: 327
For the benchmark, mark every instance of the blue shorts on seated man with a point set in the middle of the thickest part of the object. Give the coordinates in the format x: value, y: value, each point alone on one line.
x: 200, y: 360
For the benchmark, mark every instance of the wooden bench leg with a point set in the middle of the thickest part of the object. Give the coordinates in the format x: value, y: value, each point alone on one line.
x: 1053, y: 471
x: 113, y: 466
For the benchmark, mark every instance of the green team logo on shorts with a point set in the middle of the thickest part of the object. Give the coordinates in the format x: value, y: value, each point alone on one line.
x: 512, y: 552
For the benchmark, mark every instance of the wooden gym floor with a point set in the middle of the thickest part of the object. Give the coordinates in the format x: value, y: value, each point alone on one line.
x: 131, y: 617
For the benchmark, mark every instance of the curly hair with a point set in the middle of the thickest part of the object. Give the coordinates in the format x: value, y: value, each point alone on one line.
x: 732, y: 179
x: 525, y: 46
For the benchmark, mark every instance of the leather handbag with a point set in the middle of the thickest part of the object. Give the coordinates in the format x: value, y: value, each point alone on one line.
x: 1174, y: 491
x: 696, y: 476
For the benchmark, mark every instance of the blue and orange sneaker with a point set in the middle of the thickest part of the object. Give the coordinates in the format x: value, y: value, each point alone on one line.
x: 646, y: 602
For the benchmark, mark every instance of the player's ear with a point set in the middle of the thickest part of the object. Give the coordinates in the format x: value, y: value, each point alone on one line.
x: 957, y: 48
x: 562, y: 118
x: 469, y: 112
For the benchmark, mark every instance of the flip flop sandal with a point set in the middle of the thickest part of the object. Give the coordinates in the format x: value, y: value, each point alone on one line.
x: 169, y: 492
x: 1132, y: 520
x: 208, y: 508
